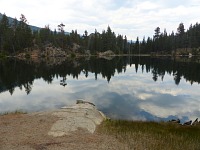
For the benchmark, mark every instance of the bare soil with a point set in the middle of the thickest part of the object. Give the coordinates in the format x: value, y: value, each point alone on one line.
x: 30, y: 132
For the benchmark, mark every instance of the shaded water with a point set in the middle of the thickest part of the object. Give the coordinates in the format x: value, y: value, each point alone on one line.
x: 133, y: 88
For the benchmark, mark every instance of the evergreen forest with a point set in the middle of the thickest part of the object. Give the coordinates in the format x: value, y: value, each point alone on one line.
x: 16, y: 36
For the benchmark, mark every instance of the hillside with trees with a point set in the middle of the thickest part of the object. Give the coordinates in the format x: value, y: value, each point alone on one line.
x: 17, y: 36
x: 180, y: 43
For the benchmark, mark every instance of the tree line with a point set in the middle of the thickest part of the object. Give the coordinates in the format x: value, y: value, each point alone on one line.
x: 17, y: 36
x: 183, y: 41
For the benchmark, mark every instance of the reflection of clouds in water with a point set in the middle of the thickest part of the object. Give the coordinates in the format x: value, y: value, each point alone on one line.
x: 133, y: 96
x: 49, y: 96
x: 144, y: 96
x: 171, y: 91
x: 120, y: 106
x: 43, y: 96
x: 162, y: 99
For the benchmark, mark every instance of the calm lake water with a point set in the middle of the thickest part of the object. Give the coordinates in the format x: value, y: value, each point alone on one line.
x: 133, y: 88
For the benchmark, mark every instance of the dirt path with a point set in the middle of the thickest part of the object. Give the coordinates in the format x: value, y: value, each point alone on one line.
x: 30, y: 132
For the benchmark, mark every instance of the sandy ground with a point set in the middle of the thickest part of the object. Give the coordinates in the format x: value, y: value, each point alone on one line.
x: 30, y: 132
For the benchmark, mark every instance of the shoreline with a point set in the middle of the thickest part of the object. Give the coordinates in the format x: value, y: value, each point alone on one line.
x: 110, y: 57
x: 31, y: 132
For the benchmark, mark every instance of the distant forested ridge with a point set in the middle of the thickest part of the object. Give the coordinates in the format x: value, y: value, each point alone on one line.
x: 17, y: 35
x: 10, y: 20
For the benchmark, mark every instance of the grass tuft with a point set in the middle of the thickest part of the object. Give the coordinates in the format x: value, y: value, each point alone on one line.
x: 14, y: 112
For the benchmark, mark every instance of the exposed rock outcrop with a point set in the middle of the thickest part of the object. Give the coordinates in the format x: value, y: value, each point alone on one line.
x: 84, y: 115
x: 107, y: 53
x: 75, y: 47
x: 51, y: 51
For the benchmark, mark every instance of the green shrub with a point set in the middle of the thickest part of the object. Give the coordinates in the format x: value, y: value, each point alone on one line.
x: 73, y: 55
x: 27, y: 56
x: 3, y: 54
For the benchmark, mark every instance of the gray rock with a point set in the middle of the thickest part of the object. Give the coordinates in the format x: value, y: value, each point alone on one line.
x: 175, y: 121
x: 195, y: 122
x: 187, y: 123
x: 81, y: 101
x: 83, y: 115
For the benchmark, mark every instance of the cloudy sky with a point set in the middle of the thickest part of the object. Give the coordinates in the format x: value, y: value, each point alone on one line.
x: 128, y: 17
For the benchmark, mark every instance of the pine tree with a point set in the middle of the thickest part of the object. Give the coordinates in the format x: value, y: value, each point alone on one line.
x: 4, y: 29
x: 23, y: 34
x: 85, y: 40
x: 120, y: 43
x: 181, y: 29
x: 137, y: 46
x: 45, y: 35
x: 125, y: 50
x: 108, y: 42
x: 180, y: 35
x: 143, y: 46
x: 157, y: 33
x: 61, y: 34
x: 149, y: 45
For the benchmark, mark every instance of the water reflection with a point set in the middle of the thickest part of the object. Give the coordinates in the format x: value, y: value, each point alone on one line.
x: 124, y: 88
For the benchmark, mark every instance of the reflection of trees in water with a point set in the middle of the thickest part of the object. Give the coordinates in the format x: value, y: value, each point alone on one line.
x: 16, y: 73
x: 28, y: 87
x: 63, y: 81
x: 155, y: 74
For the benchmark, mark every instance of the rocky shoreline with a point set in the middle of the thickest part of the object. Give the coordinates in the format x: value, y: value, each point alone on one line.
x: 78, y: 127
x: 71, y: 127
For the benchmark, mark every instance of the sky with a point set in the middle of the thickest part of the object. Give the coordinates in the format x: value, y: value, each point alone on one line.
x: 127, y: 17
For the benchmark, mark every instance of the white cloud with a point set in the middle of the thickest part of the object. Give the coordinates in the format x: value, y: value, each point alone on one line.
x: 147, y: 5
x: 131, y: 17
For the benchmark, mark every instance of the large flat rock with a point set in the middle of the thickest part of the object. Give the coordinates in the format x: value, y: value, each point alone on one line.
x: 80, y: 116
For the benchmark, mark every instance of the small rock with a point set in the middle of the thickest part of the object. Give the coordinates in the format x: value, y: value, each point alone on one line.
x: 195, y: 122
x: 81, y: 101
x: 175, y: 121
x: 187, y: 123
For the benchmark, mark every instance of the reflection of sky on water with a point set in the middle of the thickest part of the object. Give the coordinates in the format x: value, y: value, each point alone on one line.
x: 128, y: 95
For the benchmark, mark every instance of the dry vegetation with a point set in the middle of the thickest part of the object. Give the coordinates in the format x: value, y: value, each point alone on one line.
x: 152, y: 135
x: 29, y: 132
x: 14, y: 112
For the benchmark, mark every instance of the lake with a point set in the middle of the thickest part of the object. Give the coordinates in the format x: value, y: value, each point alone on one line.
x: 129, y: 88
